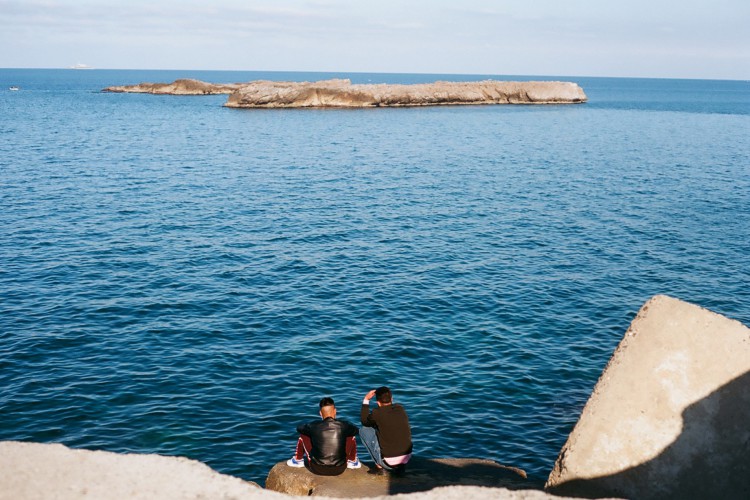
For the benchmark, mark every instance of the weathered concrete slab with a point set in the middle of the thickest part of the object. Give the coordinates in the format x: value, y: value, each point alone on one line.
x: 422, y: 475
x: 670, y: 415
x: 30, y: 471
x: 42, y: 471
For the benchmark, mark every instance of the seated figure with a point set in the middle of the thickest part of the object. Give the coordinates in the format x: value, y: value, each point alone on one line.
x: 327, y: 446
x: 386, y: 432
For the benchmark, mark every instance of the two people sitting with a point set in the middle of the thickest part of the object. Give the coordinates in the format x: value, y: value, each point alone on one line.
x: 328, y: 446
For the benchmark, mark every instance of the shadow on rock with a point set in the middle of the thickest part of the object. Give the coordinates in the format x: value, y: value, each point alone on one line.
x: 424, y: 474
x: 709, y: 459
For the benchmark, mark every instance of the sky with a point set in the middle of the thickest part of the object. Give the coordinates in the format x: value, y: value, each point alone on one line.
x: 627, y: 38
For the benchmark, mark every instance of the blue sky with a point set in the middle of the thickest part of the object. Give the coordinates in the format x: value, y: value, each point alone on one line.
x: 639, y: 38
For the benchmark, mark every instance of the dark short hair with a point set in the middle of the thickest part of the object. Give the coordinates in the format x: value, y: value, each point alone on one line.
x: 383, y: 395
x: 326, y: 402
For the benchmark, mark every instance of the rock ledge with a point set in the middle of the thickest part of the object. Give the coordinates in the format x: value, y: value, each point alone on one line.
x: 36, y: 470
x: 40, y: 471
x: 422, y: 475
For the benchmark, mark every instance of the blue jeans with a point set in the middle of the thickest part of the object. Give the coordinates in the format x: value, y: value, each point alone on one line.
x: 369, y: 437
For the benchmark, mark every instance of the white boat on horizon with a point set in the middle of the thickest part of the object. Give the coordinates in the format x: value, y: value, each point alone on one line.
x: 81, y: 66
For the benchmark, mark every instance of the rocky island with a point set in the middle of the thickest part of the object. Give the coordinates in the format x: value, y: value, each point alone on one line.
x: 344, y: 94
x: 184, y: 86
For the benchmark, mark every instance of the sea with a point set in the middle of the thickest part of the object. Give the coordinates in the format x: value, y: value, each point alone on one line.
x: 181, y: 278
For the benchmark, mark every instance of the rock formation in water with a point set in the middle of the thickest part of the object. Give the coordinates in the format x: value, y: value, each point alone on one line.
x: 422, y: 475
x: 669, y: 415
x: 178, y: 87
x: 343, y: 94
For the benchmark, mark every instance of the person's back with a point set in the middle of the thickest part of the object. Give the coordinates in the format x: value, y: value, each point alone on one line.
x: 328, y: 439
x: 328, y: 444
x: 394, y: 431
x: 386, y: 432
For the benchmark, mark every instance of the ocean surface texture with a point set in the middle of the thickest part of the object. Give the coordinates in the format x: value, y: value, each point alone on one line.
x: 185, y: 279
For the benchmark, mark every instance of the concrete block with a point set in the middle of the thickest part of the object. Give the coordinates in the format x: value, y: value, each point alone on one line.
x: 670, y: 415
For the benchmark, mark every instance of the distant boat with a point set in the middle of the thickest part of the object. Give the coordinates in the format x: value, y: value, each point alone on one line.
x: 14, y: 88
x: 81, y: 66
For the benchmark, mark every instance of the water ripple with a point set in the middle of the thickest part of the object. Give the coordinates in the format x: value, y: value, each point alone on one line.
x: 167, y: 289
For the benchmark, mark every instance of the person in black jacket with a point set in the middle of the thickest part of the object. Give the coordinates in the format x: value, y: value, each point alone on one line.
x: 386, y: 432
x: 328, y: 444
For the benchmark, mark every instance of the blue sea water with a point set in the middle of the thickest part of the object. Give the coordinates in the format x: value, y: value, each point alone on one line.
x: 186, y: 279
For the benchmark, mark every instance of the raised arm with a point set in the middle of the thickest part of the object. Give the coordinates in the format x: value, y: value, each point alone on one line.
x: 364, y: 414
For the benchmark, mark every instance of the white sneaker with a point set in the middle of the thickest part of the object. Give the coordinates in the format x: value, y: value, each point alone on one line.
x: 355, y: 464
x: 293, y: 462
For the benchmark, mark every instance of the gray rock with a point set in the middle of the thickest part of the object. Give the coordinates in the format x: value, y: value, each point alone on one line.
x: 40, y: 471
x: 669, y: 416
x: 35, y: 470
x: 421, y: 475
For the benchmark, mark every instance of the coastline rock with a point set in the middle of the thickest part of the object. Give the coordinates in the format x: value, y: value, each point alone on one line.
x: 342, y: 93
x: 422, y: 475
x: 35, y: 470
x: 178, y: 87
x: 669, y: 415
x: 473, y: 493
x: 40, y: 471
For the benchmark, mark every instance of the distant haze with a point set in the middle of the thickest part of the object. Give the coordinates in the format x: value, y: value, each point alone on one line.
x: 639, y: 38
